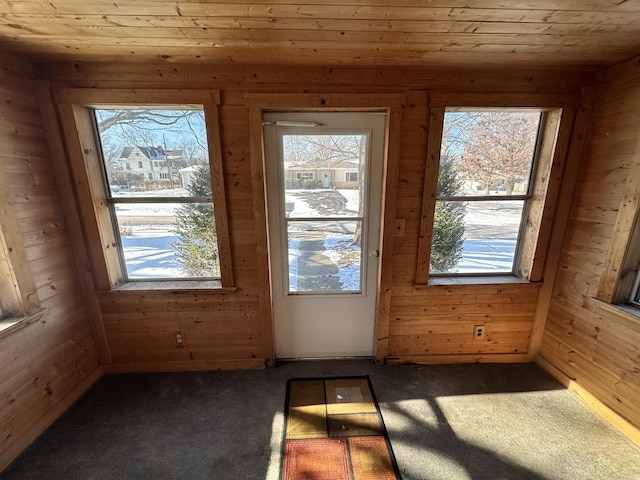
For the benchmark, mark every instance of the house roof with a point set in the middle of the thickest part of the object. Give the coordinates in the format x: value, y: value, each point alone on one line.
x: 152, y: 153
x: 587, y: 34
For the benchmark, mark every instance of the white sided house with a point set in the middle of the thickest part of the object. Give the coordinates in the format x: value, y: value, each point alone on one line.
x: 337, y: 175
x: 150, y: 164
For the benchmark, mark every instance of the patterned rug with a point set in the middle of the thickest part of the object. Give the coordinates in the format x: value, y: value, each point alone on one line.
x: 334, y: 431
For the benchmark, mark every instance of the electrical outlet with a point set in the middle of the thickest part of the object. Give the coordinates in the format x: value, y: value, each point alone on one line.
x: 478, y: 332
x: 180, y: 339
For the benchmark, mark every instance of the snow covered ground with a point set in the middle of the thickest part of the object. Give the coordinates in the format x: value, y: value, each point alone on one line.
x: 490, y: 244
x: 147, y: 233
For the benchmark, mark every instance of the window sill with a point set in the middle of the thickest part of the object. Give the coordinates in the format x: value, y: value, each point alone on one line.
x: 628, y: 312
x: 13, y: 324
x: 474, y: 280
x: 173, y: 286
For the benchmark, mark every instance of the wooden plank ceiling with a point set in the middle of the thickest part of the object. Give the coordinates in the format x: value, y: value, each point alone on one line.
x: 586, y: 34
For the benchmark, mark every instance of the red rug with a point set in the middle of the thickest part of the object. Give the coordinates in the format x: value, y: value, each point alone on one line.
x: 334, y: 431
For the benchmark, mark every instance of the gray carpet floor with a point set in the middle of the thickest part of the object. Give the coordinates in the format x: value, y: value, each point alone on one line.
x: 445, y: 422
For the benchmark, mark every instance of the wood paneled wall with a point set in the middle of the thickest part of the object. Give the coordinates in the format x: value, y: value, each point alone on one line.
x: 591, y: 345
x: 48, y: 361
x: 426, y: 323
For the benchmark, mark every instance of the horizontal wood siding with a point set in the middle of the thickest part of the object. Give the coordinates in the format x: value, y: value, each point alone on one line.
x: 435, y: 323
x: 46, y: 363
x: 599, y: 348
x: 220, y: 330
x: 485, y: 33
x: 429, y: 323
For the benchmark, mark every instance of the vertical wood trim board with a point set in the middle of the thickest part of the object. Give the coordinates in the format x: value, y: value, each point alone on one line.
x: 390, y: 193
x: 65, y: 186
x: 258, y: 185
x: 580, y: 131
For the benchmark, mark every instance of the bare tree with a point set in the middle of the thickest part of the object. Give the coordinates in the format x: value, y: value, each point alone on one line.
x: 144, y: 119
x: 193, y: 153
x: 499, y: 147
x: 147, y: 127
x: 321, y: 151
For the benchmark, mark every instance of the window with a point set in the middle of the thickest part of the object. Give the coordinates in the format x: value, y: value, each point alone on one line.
x: 351, y: 177
x: 164, y: 232
x: 18, y: 292
x: 491, y: 186
x: 162, y: 229
x: 484, y: 187
x: 619, y: 283
x: 304, y: 176
x: 620, y: 280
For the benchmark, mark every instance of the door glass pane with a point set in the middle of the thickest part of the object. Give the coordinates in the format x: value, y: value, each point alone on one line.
x: 323, y: 174
x: 324, y: 256
x: 324, y: 180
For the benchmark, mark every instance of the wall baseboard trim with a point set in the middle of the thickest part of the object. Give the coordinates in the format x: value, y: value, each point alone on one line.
x: 194, y: 366
x: 13, y: 450
x: 447, y: 359
x: 622, y: 425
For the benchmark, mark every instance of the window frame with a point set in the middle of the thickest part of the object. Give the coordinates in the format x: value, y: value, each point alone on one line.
x: 535, y: 232
x: 620, y: 279
x: 525, y: 197
x: 347, y: 176
x: 19, y: 301
x: 75, y: 107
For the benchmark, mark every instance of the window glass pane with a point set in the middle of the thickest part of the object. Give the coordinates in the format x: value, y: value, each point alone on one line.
x: 151, y: 150
x: 161, y: 240
x: 324, y: 256
x: 488, y: 152
x: 316, y: 180
x: 475, y: 237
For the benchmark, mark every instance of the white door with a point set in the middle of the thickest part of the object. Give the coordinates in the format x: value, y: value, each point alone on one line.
x: 324, y: 189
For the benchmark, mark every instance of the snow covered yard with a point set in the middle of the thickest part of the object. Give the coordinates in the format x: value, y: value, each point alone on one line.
x: 147, y: 234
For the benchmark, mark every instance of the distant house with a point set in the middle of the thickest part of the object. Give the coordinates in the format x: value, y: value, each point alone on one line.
x: 343, y: 174
x: 151, y: 163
